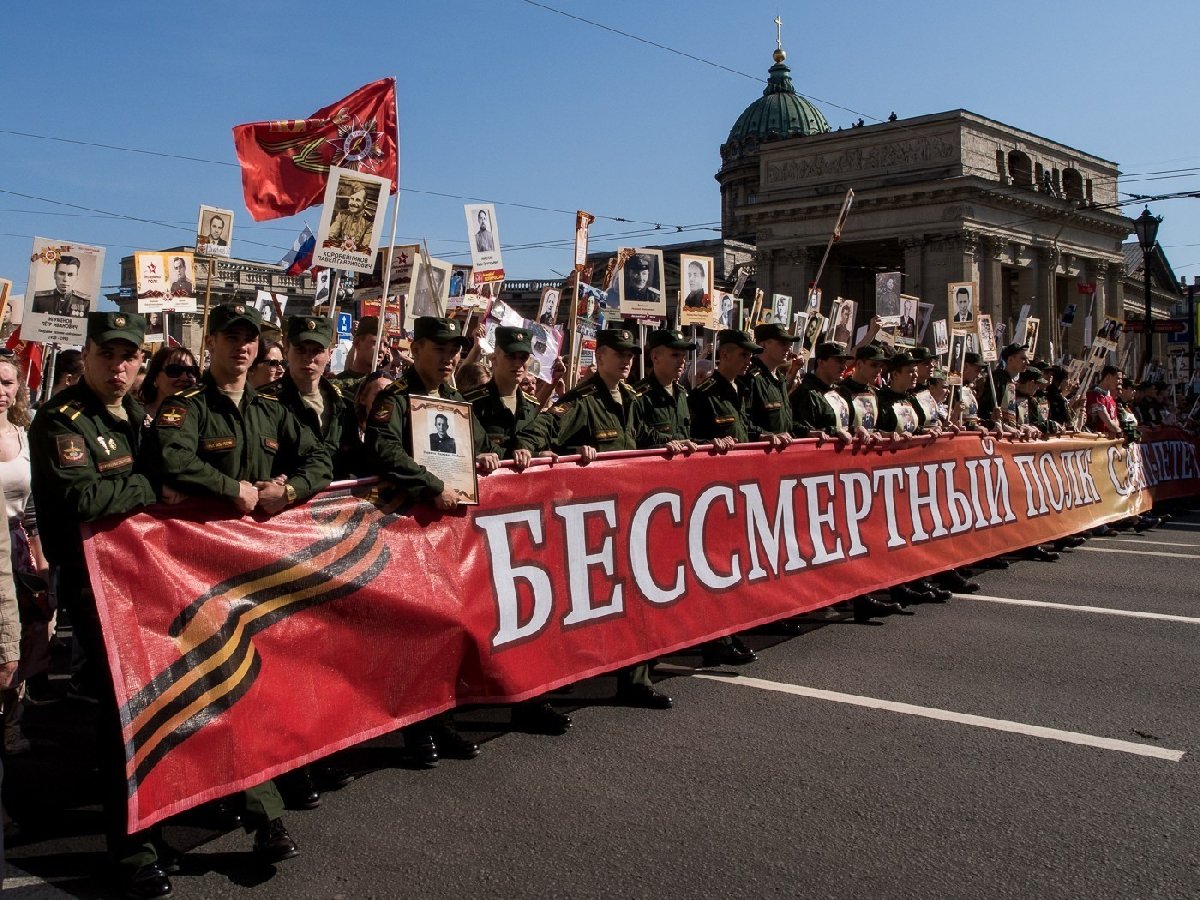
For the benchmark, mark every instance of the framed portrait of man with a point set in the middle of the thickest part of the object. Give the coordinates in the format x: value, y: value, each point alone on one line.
x: 351, y: 220
x: 962, y: 306
x: 841, y: 320
x: 906, y: 328
x: 214, y: 231
x: 811, y: 336
x: 1032, y: 325
x: 64, y: 283
x: 941, y: 341
x: 548, y: 305
x: 724, y: 307
x: 640, y: 290
x: 958, y: 352
x: 800, y: 325
x: 988, y: 351
x: 696, y: 289
x: 441, y: 442
x: 483, y: 239
x: 428, y: 294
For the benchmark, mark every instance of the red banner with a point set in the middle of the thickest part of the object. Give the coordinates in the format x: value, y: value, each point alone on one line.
x: 242, y: 649
x: 285, y: 163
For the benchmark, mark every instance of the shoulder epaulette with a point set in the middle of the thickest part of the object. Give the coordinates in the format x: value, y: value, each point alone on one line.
x: 71, y: 409
x: 755, y: 371
x: 336, y: 390
x: 475, y: 393
x: 186, y: 394
x: 705, y: 385
x: 629, y: 387
x: 532, y: 399
x: 271, y: 389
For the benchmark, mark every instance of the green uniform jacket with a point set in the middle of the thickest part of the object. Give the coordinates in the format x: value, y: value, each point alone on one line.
x: 768, y: 407
x: 719, y: 410
x: 85, y: 466
x: 349, y: 383
x: 893, y: 416
x: 500, y: 426
x: 585, y: 416
x: 811, y: 412
x: 340, y: 438
x: 1005, y: 391
x: 203, y: 444
x: 388, y: 436
x: 661, y: 417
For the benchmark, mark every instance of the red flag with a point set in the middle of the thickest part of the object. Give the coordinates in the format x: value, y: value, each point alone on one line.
x: 30, y: 355
x: 285, y: 163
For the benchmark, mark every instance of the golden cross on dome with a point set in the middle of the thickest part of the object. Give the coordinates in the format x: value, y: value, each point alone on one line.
x: 778, y: 33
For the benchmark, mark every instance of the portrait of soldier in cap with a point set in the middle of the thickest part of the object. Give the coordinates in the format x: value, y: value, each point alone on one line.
x: 638, y: 272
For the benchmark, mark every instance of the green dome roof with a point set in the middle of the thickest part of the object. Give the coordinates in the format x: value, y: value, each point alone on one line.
x: 780, y: 112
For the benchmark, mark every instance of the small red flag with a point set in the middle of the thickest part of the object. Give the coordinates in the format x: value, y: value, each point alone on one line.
x: 285, y: 163
x: 30, y: 355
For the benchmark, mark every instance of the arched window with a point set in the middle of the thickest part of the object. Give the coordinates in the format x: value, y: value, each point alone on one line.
x: 1020, y: 169
x: 1072, y: 183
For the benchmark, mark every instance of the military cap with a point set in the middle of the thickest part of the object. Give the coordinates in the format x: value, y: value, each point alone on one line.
x: 972, y: 358
x: 938, y: 374
x: 367, y: 325
x: 514, y: 340
x: 738, y: 338
x: 773, y: 331
x: 310, y: 328
x: 1010, y: 350
x: 921, y: 354
x: 672, y: 340
x: 116, y: 326
x: 900, y: 360
x: 638, y: 261
x: 229, y: 314
x: 616, y: 338
x: 1032, y: 374
x: 870, y: 352
x: 831, y: 350
x: 431, y: 328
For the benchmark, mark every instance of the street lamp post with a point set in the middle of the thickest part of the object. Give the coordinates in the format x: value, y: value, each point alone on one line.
x: 1146, y: 227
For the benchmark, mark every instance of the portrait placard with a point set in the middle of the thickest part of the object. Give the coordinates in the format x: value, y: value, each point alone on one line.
x: 351, y: 220
x: 548, y: 305
x: 64, y: 284
x: 923, y: 317
x: 155, y: 333
x: 441, y: 442
x: 814, y: 300
x: 800, y: 327
x: 987, y: 339
x: 427, y: 295
x: 941, y: 341
x: 582, y: 221
x: 887, y: 294
x: 272, y: 307
x: 214, y: 231
x: 958, y: 352
x: 165, y: 282
x: 841, y: 320
x: 724, y: 306
x: 779, y: 310
x: 640, y: 290
x: 906, y: 327
x: 962, y: 306
x: 696, y: 278
x: 483, y: 236
x: 1032, y: 326
x: 811, y: 336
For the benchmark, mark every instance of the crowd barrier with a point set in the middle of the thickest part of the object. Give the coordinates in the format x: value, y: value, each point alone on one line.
x: 242, y: 648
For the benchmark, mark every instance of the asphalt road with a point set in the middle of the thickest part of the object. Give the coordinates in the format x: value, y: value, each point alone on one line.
x: 757, y: 786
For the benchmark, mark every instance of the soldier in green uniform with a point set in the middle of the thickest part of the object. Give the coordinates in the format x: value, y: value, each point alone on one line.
x: 858, y: 389
x: 965, y: 413
x: 661, y: 409
x: 719, y: 403
x: 316, y: 401
x: 361, y: 361
x: 922, y: 400
x: 597, y: 416
x: 768, y: 406
x: 437, y: 344
x: 503, y: 410
x: 1033, y: 410
x: 83, y: 452
x: 817, y: 408
x: 224, y: 439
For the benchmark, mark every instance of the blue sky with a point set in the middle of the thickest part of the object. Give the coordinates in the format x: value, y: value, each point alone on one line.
x: 506, y: 101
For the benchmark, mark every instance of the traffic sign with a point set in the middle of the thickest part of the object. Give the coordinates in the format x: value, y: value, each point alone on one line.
x: 345, y: 323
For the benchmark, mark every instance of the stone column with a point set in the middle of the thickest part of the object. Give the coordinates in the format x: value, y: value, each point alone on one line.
x: 991, y: 282
x: 914, y: 266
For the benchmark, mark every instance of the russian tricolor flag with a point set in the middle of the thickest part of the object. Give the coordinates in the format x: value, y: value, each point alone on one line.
x: 299, y: 258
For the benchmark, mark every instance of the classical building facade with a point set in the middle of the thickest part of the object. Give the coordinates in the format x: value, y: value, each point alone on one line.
x: 941, y: 198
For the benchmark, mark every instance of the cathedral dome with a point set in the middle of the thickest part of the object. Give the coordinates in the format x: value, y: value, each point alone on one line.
x: 779, y: 113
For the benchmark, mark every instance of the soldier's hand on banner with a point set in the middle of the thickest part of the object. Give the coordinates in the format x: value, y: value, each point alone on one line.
x: 780, y: 440
x: 446, y: 500
x: 247, y: 498
x: 170, y: 496
x: 487, y: 462
x: 586, y: 454
x: 272, y: 498
x: 521, y: 459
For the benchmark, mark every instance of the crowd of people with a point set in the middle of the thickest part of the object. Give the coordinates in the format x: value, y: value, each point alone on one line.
x: 266, y: 426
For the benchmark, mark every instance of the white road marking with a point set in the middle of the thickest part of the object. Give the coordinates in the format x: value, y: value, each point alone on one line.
x: 1150, y: 542
x: 46, y: 885
x: 1103, y: 610
x: 944, y: 715
x: 1175, y: 524
x: 1139, y: 552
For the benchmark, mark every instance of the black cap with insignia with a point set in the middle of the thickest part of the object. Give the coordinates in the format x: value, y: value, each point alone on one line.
x: 831, y: 350
x: 973, y: 359
x: 227, y: 315
x: 870, y: 353
x: 431, y: 328
x: 616, y: 338
x: 773, y: 331
x: 514, y: 340
x: 921, y: 354
x: 116, y: 326
x: 673, y: 340
x: 738, y: 339
x: 317, y: 329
